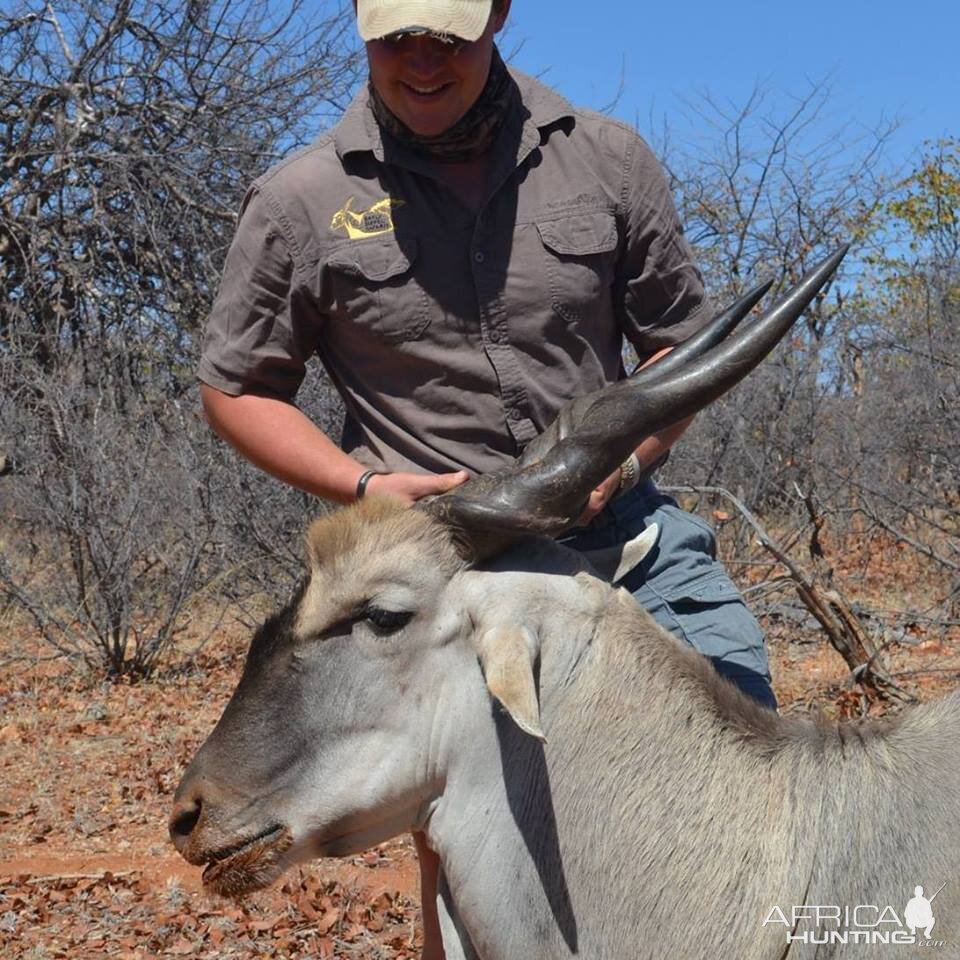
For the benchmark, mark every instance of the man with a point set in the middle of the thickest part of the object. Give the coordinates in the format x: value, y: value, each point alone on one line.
x: 465, y: 252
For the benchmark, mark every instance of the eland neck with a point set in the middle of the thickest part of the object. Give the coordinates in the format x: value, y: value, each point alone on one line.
x: 658, y: 777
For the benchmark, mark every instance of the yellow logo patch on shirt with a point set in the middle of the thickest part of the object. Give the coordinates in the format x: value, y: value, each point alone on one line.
x: 359, y: 224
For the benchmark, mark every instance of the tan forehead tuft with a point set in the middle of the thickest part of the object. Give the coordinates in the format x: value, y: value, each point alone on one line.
x: 372, y: 526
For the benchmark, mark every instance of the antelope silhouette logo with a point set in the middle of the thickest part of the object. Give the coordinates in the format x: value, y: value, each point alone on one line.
x: 360, y: 224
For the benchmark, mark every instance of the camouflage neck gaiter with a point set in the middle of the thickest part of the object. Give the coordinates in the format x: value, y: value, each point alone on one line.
x: 471, y: 135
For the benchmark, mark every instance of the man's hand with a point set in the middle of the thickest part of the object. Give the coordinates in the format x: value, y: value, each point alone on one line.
x: 600, y: 497
x: 408, y: 488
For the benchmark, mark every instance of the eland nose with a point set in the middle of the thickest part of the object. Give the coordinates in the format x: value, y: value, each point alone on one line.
x: 187, y: 807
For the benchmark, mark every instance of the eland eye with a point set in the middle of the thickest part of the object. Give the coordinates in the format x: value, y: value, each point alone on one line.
x: 387, y: 621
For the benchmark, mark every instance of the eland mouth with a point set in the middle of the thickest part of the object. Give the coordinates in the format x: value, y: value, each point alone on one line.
x: 249, y: 864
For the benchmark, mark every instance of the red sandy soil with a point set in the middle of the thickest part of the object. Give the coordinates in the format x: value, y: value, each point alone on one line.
x: 87, y: 773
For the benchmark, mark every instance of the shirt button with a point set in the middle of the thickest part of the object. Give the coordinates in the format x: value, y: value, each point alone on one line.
x: 494, y: 336
x: 515, y: 415
x: 478, y: 256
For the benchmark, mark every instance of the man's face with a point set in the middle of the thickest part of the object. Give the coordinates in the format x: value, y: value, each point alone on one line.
x: 428, y: 84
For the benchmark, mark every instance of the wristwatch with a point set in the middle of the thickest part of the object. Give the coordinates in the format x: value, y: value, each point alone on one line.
x: 629, y: 474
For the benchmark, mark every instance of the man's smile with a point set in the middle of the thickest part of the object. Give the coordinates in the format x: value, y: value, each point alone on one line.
x: 424, y: 91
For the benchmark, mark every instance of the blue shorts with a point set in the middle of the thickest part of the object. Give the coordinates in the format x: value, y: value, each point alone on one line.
x: 683, y: 585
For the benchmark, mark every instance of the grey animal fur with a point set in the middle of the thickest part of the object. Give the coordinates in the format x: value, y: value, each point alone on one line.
x: 685, y: 812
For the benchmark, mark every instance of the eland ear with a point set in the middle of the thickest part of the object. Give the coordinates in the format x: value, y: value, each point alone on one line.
x: 614, y: 563
x: 507, y: 654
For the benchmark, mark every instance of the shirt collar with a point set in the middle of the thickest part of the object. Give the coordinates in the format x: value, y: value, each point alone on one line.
x: 545, y: 106
x: 357, y: 130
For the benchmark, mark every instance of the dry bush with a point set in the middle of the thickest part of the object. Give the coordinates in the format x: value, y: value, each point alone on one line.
x: 861, y: 404
x: 130, y: 133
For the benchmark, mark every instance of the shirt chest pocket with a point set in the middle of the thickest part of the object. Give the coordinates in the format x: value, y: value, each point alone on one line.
x: 579, y: 252
x: 373, y: 288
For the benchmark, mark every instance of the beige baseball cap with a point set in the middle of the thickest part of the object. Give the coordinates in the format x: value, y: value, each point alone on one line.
x: 465, y: 19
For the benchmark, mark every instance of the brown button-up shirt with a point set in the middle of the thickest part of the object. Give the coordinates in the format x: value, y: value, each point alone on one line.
x: 454, y: 336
